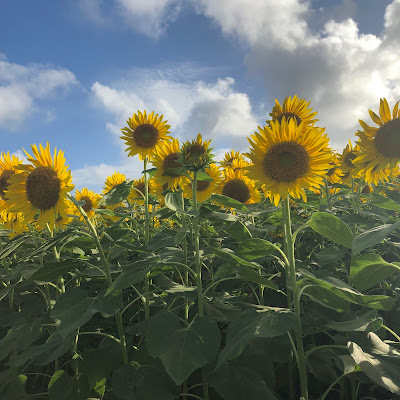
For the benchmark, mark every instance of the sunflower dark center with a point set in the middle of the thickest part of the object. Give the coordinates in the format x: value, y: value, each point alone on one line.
x: 346, y: 175
x: 366, y: 189
x: 289, y: 116
x: 43, y: 188
x: 4, y: 177
x: 146, y: 136
x: 237, y: 189
x: 171, y: 162
x: 88, y: 203
x: 140, y: 187
x: 348, y: 159
x: 202, y: 185
x: 387, y: 139
x: 331, y: 171
x: 286, y: 162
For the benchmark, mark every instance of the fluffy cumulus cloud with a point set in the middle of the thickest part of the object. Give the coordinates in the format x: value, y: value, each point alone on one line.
x: 343, y: 71
x: 23, y: 87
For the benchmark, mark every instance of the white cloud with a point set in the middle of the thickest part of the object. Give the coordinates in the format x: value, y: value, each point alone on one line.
x: 21, y: 87
x: 342, y: 71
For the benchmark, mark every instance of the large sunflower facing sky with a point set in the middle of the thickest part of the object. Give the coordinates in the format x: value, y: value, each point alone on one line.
x: 294, y: 108
x: 288, y: 158
x: 41, y: 188
x: 145, y: 134
x: 379, y: 146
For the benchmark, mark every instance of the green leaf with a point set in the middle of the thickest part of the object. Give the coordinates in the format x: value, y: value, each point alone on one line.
x: 182, y: 350
x: 252, y: 324
x: 223, y: 216
x: 74, y: 308
x: 62, y: 387
x: 202, y: 176
x: 161, y: 240
x: 385, y: 203
x: 172, y: 287
x: 331, y: 227
x: 255, y: 248
x: 20, y: 336
x: 12, y: 385
x: 345, y: 292
x: 229, y: 255
x: 370, y: 269
x: 117, y: 194
x: 53, y: 270
x: 380, y: 362
x: 174, y: 201
x: 372, y: 237
x: 229, y: 202
x: 132, y: 273
x: 366, y: 322
x: 250, y: 275
x: 238, y: 231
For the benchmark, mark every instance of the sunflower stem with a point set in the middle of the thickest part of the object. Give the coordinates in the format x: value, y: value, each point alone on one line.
x: 118, y: 316
x: 56, y: 255
x: 296, y: 298
x: 328, y: 199
x: 146, y: 239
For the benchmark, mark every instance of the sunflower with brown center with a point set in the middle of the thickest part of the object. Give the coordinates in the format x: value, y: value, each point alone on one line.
x: 169, y: 168
x: 145, y: 134
x: 91, y: 200
x: 297, y: 109
x: 138, y: 188
x: 204, y: 188
x: 112, y: 181
x: 346, y: 160
x: 238, y: 186
x: 230, y: 157
x: 8, y: 168
x: 42, y: 187
x: 196, y: 155
x: 379, y: 146
x: 14, y: 222
x: 288, y: 158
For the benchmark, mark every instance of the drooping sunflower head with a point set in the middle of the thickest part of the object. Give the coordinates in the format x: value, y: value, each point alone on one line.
x: 196, y: 155
x: 230, y: 157
x: 346, y: 160
x: 379, y: 146
x: 8, y: 168
x: 145, y: 134
x: 297, y: 109
x: 14, y: 222
x: 41, y: 187
x: 288, y: 158
x: 91, y: 200
x: 238, y: 186
x: 204, y: 188
x: 334, y: 174
x: 112, y: 181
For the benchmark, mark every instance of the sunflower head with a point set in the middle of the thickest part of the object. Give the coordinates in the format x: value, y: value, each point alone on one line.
x: 112, y: 181
x: 379, y: 146
x: 293, y: 109
x: 196, y: 155
x: 91, y: 200
x: 288, y: 158
x: 8, y: 167
x: 145, y: 134
x: 14, y: 222
x: 230, y: 157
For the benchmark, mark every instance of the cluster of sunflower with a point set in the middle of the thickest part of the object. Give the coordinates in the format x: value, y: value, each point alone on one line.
x: 286, y: 156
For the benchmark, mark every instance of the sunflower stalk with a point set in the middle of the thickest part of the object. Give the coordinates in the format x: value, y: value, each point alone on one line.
x: 56, y: 255
x: 146, y: 238
x: 289, y: 248
x: 328, y: 198
x: 118, y: 316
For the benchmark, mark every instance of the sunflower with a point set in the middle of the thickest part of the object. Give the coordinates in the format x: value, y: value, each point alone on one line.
x: 8, y: 166
x: 238, y: 186
x: 293, y: 109
x: 145, y: 134
x: 196, y: 155
x: 204, y: 188
x: 346, y: 159
x: 138, y: 188
x: 91, y: 200
x: 14, y: 222
x: 112, y: 181
x: 288, y: 158
x: 334, y: 174
x: 230, y: 157
x: 41, y: 187
x: 169, y: 169
x: 380, y: 146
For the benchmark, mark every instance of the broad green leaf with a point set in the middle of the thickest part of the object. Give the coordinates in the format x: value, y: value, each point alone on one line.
x: 182, y: 350
x: 327, y: 298
x: 229, y: 202
x: 174, y: 201
x: 169, y: 286
x: 238, y: 231
x: 255, y: 248
x: 250, y: 325
x: 385, y: 203
x: 74, y: 308
x: 347, y: 293
x: 12, y: 385
x: 202, y: 176
x: 117, y: 194
x: 142, y: 382
x: 380, y: 362
x: 20, y: 336
x: 53, y: 270
x: 370, y: 269
x: 331, y: 227
x: 62, y: 387
x: 223, y: 216
x: 372, y: 237
x: 367, y: 322
x: 161, y: 240
x: 250, y: 275
x: 229, y: 255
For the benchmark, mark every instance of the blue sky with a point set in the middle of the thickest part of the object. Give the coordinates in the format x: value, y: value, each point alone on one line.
x: 72, y: 72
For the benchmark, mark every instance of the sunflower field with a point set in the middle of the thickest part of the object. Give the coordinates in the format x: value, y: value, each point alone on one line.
x: 272, y: 274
